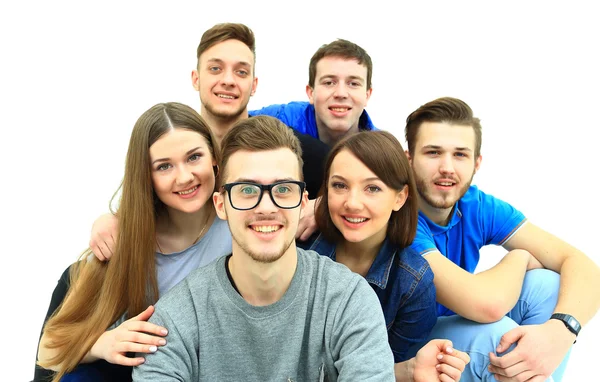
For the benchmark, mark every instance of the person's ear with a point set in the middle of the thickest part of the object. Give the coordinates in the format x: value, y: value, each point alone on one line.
x: 219, y: 202
x: 369, y: 92
x: 401, y: 197
x: 478, y: 163
x: 254, y: 85
x: 309, y: 93
x: 304, y: 202
x: 195, y: 80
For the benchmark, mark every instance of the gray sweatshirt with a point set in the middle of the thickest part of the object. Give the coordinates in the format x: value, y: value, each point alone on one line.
x: 328, y: 326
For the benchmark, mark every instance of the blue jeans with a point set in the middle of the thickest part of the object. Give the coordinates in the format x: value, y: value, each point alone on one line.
x: 535, y: 306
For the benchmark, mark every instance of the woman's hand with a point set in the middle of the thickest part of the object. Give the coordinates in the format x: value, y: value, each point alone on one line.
x: 134, y: 335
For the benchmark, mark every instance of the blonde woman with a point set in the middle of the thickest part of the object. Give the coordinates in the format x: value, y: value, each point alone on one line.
x: 167, y: 228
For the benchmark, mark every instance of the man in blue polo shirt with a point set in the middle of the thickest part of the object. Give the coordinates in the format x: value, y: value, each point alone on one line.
x: 339, y: 87
x: 535, y: 315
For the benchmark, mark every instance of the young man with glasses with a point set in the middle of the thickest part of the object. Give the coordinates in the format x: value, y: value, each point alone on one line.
x: 269, y: 311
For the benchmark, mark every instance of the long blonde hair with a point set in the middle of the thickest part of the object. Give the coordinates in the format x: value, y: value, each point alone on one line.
x: 101, y: 292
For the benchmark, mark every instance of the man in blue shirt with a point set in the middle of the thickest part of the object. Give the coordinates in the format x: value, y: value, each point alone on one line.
x: 339, y: 87
x: 535, y: 315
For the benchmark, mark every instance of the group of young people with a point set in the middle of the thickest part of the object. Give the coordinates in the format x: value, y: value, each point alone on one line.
x: 299, y: 242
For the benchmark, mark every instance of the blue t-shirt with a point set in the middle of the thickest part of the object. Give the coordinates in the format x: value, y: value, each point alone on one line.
x: 478, y: 219
x: 301, y: 116
x: 403, y: 282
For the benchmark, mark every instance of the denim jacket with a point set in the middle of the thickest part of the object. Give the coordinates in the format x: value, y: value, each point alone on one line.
x: 403, y: 282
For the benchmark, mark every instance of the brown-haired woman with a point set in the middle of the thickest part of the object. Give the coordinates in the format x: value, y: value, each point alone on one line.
x: 367, y: 218
x: 167, y: 228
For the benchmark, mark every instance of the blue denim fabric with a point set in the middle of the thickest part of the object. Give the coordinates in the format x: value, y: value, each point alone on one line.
x: 403, y: 282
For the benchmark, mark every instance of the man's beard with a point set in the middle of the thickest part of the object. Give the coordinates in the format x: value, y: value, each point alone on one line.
x: 225, y: 115
x: 425, y: 194
x: 259, y: 256
x: 262, y: 257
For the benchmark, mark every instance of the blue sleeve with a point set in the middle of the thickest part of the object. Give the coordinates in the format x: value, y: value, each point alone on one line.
x: 271, y: 110
x: 499, y: 220
x: 415, y: 318
x: 423, y: 242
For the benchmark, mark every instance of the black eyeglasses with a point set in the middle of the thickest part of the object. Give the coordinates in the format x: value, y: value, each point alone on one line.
x: 285, y: 194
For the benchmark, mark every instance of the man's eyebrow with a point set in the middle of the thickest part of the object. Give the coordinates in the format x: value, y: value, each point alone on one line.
x: 214, y: 59
x: 220, y: 61
x: 356, y: 78
x: 336, y: 76
x: 437, y: 147
x: 250, y: 180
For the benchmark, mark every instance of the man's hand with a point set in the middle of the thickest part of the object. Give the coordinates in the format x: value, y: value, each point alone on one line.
x: 540, y: 350
x: 307, y: 225
x: 103, y: 238
x: 438, y: 361
x: 130, y: 336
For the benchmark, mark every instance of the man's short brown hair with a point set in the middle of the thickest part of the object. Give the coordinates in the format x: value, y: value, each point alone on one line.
x: 260, y: 133
x: 344, y: 49
x: 448, y: 110
x: 226, y: 31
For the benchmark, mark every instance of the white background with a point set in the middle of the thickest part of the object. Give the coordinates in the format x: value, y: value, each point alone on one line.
x: 75, y: 76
